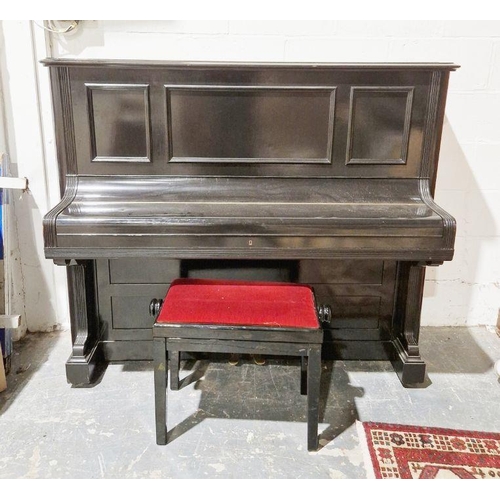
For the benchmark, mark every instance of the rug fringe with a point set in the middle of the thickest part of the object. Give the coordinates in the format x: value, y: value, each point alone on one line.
x: 363, y: 441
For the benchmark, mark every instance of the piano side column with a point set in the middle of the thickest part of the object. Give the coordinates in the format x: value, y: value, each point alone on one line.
x: 86, y: 362
x: 407, y: 362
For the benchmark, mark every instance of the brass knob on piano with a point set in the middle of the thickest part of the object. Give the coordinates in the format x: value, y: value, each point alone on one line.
x: 155, y: 306
x: 325, y: 313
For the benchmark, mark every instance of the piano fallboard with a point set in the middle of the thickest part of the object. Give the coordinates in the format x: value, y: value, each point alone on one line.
x: 253, y: 218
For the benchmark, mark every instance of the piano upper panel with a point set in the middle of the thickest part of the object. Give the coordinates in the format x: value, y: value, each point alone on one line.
x: 254, y: 161
x: 250, y: 120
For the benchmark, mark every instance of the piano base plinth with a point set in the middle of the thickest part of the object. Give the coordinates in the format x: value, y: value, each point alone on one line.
x: 406, y: 360
x: 86, y: 370
x: 87, y: 361
x: 411, y: 370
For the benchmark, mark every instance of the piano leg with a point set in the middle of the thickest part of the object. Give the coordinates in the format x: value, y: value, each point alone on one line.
x: 407, y: 362
x: 160, y: 383
x: 86, y: 362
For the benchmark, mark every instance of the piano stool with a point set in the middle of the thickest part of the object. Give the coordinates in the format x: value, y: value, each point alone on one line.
x: 241, y: 317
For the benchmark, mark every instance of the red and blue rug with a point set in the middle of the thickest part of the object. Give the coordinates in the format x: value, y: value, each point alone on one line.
x: 407, y: 452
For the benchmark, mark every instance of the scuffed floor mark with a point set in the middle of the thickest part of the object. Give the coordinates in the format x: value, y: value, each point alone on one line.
x: 280, y: 436
x: 137, y: 459
x: 107, y: 434
x: 34, y: 464
x: 102, y: 465
x: 218, y: 467
x: 336, y: 474
x: 354, y: 456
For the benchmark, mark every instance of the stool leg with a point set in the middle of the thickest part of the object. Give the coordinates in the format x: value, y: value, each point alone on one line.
x: 161, y: 378
x: 303, y: 375
x: 174, y: 370
x: 313, y: 385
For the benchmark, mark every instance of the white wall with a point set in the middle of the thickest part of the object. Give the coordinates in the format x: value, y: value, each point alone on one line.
x: 37, y: 289
x: 465, y: 291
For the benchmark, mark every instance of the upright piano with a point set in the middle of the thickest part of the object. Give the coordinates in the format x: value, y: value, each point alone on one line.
x: 315, y: 173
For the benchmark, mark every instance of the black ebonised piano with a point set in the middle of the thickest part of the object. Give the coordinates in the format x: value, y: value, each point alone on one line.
x: 315, y: 173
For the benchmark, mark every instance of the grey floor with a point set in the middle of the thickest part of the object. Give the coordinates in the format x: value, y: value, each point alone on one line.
x: 231, y: 422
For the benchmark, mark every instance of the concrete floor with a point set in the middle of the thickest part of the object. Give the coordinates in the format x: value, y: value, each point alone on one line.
x: 231, y: 422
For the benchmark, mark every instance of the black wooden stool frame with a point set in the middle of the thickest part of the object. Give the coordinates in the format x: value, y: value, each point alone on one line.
x: 171, y: 340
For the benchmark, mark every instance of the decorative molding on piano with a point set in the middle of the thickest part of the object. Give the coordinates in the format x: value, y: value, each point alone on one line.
x: 411, y: 329
x: 86, y: 356
x: 405, y: 137
x: 430, y: 136
x: 119, y: 87
x: 326, y: 160
x: 262, y: 253
x: 68, y: 129
x: 232, y: 65
x: 49, y: 221
x: 408, y: 363
x: 76, y: 282
x: 449, y: 222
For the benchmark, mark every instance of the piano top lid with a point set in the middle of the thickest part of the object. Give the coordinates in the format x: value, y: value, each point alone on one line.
x: 127, y: 63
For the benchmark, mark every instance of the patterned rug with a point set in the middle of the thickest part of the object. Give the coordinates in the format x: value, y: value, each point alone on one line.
x: 406, y: 452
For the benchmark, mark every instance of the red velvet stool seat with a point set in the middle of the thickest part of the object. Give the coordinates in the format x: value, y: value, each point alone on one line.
x: 237, y: 317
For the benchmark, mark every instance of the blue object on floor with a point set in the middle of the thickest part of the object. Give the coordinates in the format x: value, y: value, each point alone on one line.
x: 5, y: 334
